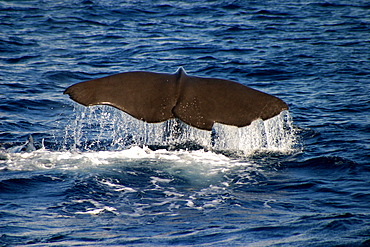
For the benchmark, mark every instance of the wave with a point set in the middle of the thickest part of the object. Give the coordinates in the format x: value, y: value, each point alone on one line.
x: 67, y: 160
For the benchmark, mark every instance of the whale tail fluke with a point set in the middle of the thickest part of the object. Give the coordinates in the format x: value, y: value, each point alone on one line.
x: 199, y: 102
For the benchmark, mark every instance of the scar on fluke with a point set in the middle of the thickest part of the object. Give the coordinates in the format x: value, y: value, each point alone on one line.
x: 197, y: 101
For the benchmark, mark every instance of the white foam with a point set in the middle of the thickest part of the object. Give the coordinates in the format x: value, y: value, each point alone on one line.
x: 118, y: 187
x: 97, y: 208
x: 155, y: 180
x: 197, y: 161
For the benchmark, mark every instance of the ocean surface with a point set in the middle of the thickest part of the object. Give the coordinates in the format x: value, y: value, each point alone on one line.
x: 77, y: 176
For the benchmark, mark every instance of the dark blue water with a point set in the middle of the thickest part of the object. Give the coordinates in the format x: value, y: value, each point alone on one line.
x: 101, y: 178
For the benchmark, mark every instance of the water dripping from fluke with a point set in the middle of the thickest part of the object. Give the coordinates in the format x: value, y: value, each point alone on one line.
x: 100, y: 128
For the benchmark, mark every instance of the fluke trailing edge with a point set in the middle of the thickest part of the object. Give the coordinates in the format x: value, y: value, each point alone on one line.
x: 199, y: 102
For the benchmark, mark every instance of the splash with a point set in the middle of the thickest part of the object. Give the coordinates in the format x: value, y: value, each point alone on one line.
x: 106, y: 128
x: 276, y: 134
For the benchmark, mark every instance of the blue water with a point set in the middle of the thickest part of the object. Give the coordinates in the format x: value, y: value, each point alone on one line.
x: 101, y: 178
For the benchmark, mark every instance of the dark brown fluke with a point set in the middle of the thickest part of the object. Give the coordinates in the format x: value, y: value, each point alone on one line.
x: 199, y: 102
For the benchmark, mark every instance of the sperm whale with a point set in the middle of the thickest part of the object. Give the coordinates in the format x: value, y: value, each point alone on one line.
x: 197, y: 101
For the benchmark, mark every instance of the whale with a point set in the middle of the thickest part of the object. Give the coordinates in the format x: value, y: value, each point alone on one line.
x: 197, y: 101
